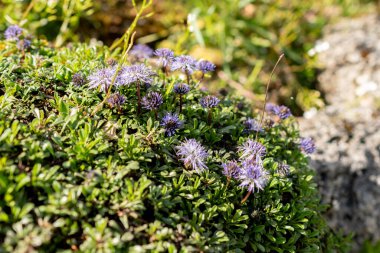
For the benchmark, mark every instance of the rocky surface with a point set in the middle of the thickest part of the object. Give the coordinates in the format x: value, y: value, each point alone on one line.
x: 347, y: 131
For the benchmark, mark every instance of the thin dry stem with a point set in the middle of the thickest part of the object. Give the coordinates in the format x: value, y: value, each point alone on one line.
x: 266, y: 93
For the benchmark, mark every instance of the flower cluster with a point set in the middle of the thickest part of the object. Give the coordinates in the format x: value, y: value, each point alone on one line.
x: 249, y: 171
x: 116, y: 100
x: 152, y: 101
x: 192, y: 154
x: 101, y: 78
x: 137, y: 73
x: 171, y: 123
x: 282, y: 111
x: 185, y: 63
x: 209, y: 101
x: 165, y: 56
x: 13, y: 32
x: 307, y: 145
x: 252, y: 125
x: 78, y: 79
x: 206, y: 66
x: 181, y: 88
x: 141, y: 52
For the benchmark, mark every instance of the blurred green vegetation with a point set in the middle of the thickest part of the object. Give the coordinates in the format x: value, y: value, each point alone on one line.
x: 243, y: 37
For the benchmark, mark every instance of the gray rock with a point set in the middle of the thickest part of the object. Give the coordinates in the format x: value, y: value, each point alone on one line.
x: 347, y: 131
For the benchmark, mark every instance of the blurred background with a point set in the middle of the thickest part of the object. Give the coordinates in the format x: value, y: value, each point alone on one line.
x: 330, y: 75
x: 243, y: 38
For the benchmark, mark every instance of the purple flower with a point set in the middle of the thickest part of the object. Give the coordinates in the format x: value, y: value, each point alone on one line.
x: 192, y: 154
x: 307, y: 145
x: 282, y: 111
x: 185, y: 63
x: 253, y: 176
x: 165, y: 55
x: 24, y: 44
x: 283, y: 169
x: 141, y: 52
x: 13, y: 32
x: 252, y: 125
x: 231, y: 169
x: 209, y: 101
x: 269, y: 107
x: 205, y: 66
x: 252, y: 150
x: 101, y: 78
x: 152, y: 101
x: 116, y: 100
x: 171, y: 123
x: 135, y: 73
x: 181, y: 88
x: 78, y: 79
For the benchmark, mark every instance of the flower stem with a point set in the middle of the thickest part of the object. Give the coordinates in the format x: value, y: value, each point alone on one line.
x: 180, y: 103
x: 209, y: 117
x: 155, y: 114
x: 138, y: 98
x: 246, y: 197
x: 188, y: 77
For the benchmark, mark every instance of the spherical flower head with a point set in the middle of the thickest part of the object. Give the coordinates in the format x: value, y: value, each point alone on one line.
x: 165, y: 55
x: 283, y: 169
x: 101, y: 78
x: 252, y: 151
x: 152, y: 101
x: 252, y: 125
x: 209, y: 101
x: 141, y: 52
x: 78, y: 79
x: 192, y: 154
x: 13, y: 32
x: 185, y: 63
x: 135, y: 73
x: 269, y: 107
x: 205, y: 66
x: 282, y: 111
x: 307, y: 145
x: 253, y: 176
x: 24, y: 44
x: 171, y: 123
x: 116, y: 100
x: 231, y: 169
x: 181, y: 88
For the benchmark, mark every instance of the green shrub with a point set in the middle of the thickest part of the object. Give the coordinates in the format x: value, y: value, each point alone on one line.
x: 77, y: 176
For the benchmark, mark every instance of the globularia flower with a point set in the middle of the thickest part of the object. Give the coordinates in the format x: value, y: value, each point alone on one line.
x: 185, y: 63
x: 252, y: 151
x: 24, y: 44
x: 307, y: 145
x: 137, y: 73
x: 283, y: 169
x: 253, y: 176
x: 181, y: 88
x: 231, y: 169
x: 192, y: 154
x: 13, y: 32
x: 282, y: 111
x: 209, y: 101
x: 269, y: 107
x: 165, y: 55
x: 152, y: 101
x: 141, y: 52
x: 205, y: 66
x: 116, y: 100
x: 252, y: 125
x: 78, y: 79
x: 101, y: 78
x: 171, y: 123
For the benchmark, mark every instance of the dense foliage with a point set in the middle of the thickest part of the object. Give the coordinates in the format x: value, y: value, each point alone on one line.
x: 79, y: 174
